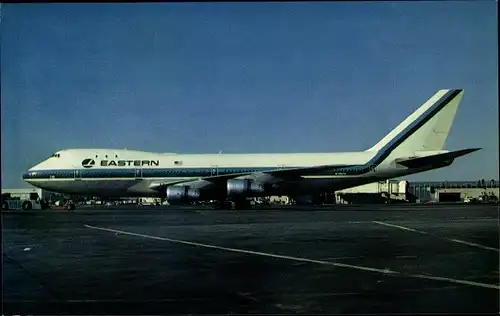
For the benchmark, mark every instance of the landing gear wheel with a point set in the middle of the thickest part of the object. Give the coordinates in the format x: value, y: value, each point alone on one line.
x: 224, y: 205
x: 70, y: 206
x: 44, y: 204
x: 27, y: 205
x: 217, y: 205
x: 242, y: 204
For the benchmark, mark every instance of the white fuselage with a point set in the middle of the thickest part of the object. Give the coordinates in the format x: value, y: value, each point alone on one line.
x: 132, y: 173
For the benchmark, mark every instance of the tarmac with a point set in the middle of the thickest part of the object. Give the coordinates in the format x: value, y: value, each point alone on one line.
x: 375, y: 259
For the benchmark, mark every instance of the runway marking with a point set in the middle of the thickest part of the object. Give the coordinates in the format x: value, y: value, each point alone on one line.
x: 264, y: 254
x: 436, y: 220
x: 247, y: 296
x: 329, y: 258
x: 295, y: 308
x: 445, y: 238
x: 401, y: 227
x: 341, y: 258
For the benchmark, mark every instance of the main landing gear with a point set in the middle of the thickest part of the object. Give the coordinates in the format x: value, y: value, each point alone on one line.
x: 69, y: 206
x: 70, y: 203
x: 234, y: 204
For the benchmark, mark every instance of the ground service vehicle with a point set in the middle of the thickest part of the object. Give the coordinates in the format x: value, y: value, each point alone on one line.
x: 15, y: 203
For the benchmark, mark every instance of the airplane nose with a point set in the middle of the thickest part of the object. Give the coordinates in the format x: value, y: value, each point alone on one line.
x: 28, y: 175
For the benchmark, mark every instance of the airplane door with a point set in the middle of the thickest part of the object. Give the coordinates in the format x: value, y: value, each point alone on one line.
x: 138, y: 173
x: 214, y: 171
x: 78, y: 174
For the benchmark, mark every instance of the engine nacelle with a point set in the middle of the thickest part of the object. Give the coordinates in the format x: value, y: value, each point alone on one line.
x: 244, y: 187
x: 182, y: 193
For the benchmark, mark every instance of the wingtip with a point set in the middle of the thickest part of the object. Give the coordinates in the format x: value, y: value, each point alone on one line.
x: 471, y: 150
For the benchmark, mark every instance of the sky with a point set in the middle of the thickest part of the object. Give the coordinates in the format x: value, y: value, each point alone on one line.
x: 239, y: 77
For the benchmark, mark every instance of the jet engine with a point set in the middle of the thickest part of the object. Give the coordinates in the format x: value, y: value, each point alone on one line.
x: 244, y: 187
x: 182, y: 193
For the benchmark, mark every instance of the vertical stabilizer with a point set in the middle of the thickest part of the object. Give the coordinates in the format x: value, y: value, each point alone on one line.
x: 427, y: 128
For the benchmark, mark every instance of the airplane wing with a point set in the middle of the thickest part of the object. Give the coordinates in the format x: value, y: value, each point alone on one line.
x: 434, y: 159
x: 285, y: 173
x: 295, y: 173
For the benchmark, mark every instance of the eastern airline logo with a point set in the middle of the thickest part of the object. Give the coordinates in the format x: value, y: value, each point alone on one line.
x: 124, y: 163
x: 88, y: 163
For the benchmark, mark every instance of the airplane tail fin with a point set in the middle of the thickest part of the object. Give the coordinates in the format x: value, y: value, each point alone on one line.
x: 426, y: 129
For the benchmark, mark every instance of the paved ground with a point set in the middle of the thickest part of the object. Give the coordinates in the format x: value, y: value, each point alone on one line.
x: 370, y: 259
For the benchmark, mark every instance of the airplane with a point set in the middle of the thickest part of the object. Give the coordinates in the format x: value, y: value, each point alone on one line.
x: 415, y: 145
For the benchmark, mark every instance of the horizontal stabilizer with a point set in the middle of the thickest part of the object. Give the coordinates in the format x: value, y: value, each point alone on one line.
x: 434, y: 159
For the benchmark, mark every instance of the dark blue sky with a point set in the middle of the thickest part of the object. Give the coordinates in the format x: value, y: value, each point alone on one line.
x: 243, y: 77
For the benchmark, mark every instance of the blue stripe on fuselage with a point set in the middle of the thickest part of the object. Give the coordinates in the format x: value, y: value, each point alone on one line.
x: 96, y: 173
x: 138, y: 173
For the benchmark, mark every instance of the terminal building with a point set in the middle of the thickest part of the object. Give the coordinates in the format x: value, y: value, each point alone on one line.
x: 455, y: 191
x: 397, y: 191
x: 394, y: 191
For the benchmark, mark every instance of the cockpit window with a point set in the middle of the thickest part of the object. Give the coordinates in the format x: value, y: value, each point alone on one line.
x: 56, y: 155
